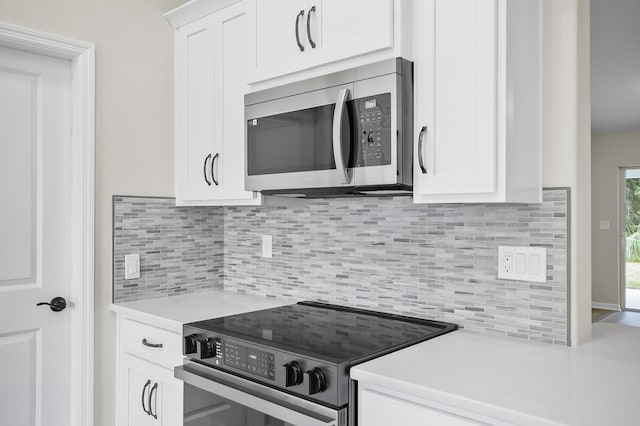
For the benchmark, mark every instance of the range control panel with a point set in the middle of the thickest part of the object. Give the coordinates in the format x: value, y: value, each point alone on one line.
x: 373, y: 130
x: 297, y: 374
x: 249, y: 359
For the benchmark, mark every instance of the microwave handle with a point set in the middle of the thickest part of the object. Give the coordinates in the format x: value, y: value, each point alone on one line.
x: 337, y: 135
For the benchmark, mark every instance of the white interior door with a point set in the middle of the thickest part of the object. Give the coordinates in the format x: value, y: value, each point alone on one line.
x: 35, y: 238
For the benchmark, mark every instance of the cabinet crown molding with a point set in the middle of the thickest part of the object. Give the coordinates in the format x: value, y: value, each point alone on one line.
x: 194, y: 10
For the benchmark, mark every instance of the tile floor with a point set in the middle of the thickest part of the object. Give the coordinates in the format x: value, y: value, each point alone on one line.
x: 625, y: 317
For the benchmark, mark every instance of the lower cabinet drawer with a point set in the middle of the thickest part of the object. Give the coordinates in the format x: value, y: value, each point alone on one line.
x: 155, y: 344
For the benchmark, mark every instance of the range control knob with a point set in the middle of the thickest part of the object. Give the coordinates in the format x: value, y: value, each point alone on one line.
x: 317, y: 381
x: 189, y: 344
x: 293, y: 373
x: 207, y: 348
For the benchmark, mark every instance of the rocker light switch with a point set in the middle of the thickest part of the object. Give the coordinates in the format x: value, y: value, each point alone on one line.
x: 131, y: 266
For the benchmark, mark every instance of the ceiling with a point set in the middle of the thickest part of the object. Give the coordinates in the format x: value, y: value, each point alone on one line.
x: 615, y: 66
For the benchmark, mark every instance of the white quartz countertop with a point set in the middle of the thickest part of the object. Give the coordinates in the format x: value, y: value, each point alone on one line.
x: 595, y: 383
x: 174, y: 311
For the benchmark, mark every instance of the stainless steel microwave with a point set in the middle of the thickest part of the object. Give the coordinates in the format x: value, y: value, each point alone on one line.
x: 347, y: 133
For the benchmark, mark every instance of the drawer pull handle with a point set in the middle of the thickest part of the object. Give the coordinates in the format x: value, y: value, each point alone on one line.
x: 151, y: 345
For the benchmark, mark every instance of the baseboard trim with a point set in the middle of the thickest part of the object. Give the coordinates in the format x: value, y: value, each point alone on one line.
x: 606, y: 306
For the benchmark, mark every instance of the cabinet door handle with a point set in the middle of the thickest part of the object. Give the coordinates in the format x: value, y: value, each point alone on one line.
x: 313, y: 43
x: 151, y: 413
x: 144, y: 389
x: 151, y: 345
x: 420, y: 150
x: 205, y: 170
x: 213, y: 176
x: 300, y: 15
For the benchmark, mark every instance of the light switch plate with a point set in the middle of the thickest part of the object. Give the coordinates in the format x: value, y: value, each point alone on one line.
x: 522, y: 263
x: 267, y: 242
x: 131, y: 266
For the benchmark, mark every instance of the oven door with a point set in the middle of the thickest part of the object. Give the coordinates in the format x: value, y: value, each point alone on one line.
x: 215, y: 398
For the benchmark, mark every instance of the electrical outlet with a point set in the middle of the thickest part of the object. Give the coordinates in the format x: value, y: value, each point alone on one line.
x: 507, y: 262
x: 522, y: 263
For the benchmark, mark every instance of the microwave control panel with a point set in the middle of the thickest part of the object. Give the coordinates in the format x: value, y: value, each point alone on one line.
x: 373, y: 130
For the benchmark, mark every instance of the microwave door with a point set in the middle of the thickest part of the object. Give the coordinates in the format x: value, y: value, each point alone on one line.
x: 290, y: 142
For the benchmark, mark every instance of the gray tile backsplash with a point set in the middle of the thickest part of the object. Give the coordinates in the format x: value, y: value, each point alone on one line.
x: 181, y: 248
x: 431, y: 261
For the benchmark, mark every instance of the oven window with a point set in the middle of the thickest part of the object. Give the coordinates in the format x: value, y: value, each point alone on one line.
x: 297, y: 141
x: 202, y: 408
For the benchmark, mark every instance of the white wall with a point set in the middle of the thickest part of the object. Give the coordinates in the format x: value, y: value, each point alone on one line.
x: 134, y: 143
x: 609, y: 152
x: 566, y: 138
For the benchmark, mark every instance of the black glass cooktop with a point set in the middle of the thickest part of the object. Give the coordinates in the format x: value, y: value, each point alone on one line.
x: 326, y: 331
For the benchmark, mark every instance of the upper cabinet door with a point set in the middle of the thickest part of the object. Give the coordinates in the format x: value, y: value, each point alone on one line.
x: 287, y: 36
x: 230, y: 86
x: 477, y: 101
x: 194, y: 110
x: 342, y: 29
x: 209, y: 110
x: 277, y: 37
x: 458, y: 147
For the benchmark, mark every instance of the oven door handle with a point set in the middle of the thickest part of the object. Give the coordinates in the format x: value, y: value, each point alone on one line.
x: 263, y: 399
x: 338, y: 112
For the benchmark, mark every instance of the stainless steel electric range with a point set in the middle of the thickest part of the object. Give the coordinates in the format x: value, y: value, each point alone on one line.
x: 287, y: 365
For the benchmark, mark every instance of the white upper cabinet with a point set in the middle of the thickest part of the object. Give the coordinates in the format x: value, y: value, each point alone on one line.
x: 276, y: 29
x: 293, y: 35
x: 477, y: 101
x: 209, y: 110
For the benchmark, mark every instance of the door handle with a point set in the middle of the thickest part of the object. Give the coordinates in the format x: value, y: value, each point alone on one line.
x: 313, y: 43
x: 337, y: 136
x: 420, y: 150
x: 213, y: 176
x: 205, y: 170
x: 144, y: 388
x: 297, y: 29
x: 151, y: 413
x: 57, y: 304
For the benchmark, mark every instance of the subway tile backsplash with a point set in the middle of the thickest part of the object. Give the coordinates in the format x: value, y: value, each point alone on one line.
x: 431, y: 261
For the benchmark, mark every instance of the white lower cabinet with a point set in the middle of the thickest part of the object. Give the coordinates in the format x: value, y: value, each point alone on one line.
x: 147, y: 392
x: 382, y: 407
x: 151, y: 394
